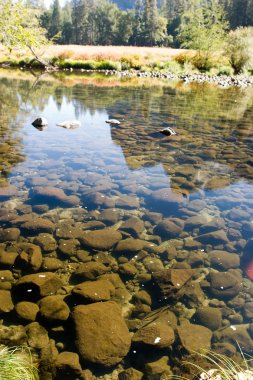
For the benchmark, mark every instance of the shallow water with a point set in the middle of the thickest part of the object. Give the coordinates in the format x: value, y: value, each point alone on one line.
x: 184, y: 201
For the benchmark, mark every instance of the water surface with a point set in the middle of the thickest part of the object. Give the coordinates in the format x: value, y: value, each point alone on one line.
x: 183, y: 203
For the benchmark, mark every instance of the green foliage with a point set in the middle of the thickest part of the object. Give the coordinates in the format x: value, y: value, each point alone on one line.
x: 237, y: 48
x: 203, y: 27
x: 108, y: 65
x: 16, y: 364
x: 19, y: 25
x: 225, y: 70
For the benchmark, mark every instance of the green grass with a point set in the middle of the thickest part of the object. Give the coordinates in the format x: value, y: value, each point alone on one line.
x: 17, y: 364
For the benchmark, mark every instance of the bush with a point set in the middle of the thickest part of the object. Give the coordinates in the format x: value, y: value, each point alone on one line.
x: 108, y: 65
x: 202, y: 61
x: 225, y: 70
x: 173, y: 67
x: 238, y: 48
x: 132, y: 62
x: 185, y: 57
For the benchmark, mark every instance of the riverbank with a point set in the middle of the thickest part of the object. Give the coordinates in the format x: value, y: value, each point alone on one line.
x: 127, y: 61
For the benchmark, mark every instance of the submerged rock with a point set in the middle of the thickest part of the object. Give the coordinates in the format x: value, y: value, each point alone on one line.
x: 49, y: 194
x: 69, y: 124
x: 194, y: 337
x: 102, y: 336
x: 101, y: 239
x: 94, y: 291
x: 225, y: 284
x: 37, y: 285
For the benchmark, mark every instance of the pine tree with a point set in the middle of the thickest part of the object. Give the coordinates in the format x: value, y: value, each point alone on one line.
x: 56, y: 21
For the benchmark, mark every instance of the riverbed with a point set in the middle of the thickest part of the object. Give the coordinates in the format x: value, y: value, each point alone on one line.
x: 125, y: 252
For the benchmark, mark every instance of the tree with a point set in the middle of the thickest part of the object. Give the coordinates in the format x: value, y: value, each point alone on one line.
x: 238, y: 48
x: 56, y: 21
x: 19, y: 26
x: 203, y: 26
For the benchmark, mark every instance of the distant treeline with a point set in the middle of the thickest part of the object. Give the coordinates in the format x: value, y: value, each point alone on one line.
x: 147, y: 23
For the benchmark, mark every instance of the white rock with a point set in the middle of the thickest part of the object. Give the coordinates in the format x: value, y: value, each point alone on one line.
x: 113, y: 121
x: 69, y: 124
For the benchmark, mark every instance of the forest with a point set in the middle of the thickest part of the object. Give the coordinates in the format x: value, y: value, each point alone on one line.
x: 146, y: 23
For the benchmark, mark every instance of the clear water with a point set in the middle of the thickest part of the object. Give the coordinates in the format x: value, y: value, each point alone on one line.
x: 207, y: 167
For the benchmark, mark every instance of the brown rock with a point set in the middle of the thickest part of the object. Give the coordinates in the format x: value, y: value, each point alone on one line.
x: 95, y: 291
x: 224, y: 260
x: 53, y: 308
x: 47, y: 194
x: 167, y: 196
x: 171, y: 280
x: 7, y: 259
x: 169, y: 228
x: 101, y: 239
x: 90, y: 270
x: 224, y: 284
x: 6, y: 304
x: 9, y: 234
x: 46, y: 242
x: 38, y: 285
x: 213, y: 238
x: 68, y: 365
x: 134, y: 226
x: 37, y: 335
x: 194, y: 337
x: 209, y: 317
x: 52, y: 264
x: 12, y: 335
x: 129, y: 246
x: 8, y: 191
x: 157, y: 334
x: 102, y: 336
x: 130, y: 374
x: 27, y: 310
x: 38, y: 225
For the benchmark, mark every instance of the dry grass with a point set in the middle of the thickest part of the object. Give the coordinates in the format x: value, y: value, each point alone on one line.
x: 112, y: 53
x: 145, y: 55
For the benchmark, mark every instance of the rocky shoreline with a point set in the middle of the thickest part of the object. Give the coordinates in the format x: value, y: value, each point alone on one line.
x: 219, y: 80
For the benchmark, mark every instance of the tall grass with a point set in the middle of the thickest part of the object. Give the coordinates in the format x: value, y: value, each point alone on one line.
x: 223, y: 367
x: 17, y: 364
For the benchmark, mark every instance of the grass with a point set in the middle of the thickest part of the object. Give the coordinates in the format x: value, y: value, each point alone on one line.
x: 223, y: 367
x: 17, y: 364
x: 75, y: 57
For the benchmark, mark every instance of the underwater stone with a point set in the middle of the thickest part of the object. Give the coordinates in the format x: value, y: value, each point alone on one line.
x: 102, y: 336
x: 101, y: 239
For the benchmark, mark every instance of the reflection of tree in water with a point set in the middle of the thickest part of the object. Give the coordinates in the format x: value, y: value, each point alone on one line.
x: 214, y: 140
x: 210, y: 121
x: 10, y: 142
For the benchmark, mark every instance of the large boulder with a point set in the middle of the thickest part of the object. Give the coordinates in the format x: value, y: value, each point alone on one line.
x: 102, y: 336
